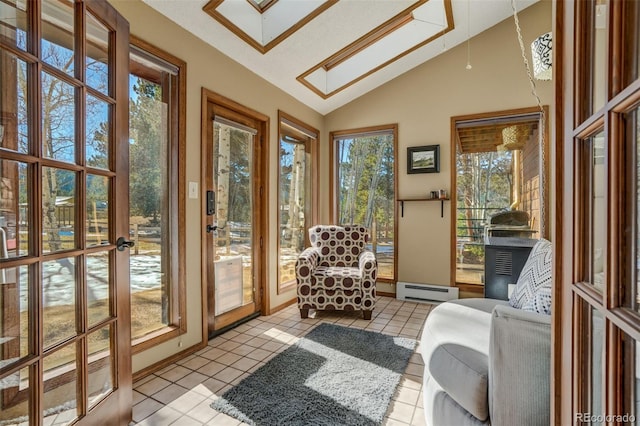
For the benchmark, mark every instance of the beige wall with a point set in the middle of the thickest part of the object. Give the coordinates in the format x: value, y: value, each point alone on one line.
x: 208, y: 68
x: 422, y: 102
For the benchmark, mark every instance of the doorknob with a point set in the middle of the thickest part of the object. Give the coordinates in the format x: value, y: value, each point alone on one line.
x: 122, y: 244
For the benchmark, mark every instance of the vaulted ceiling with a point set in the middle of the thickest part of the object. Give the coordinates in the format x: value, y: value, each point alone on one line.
x: 326, y: 53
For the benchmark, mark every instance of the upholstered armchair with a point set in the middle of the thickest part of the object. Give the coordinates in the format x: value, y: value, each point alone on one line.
x: 336, y: 272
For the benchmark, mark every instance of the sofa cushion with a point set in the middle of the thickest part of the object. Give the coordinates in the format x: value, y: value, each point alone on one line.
x: 455, y: 349
x: 441, y: 409
x: 533, y: 288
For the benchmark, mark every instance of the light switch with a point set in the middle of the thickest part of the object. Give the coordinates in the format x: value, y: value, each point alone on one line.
x: 193, y: 189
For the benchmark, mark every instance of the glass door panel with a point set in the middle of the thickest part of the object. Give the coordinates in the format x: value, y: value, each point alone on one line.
x: 97, y: 58
x: 59, y: 300
x: 599, y: 60
x: 233, y: 239
x: 58, y: 209
x: 98, y: 132
x: 632, y: 127
x: 60, y: 401
x: 14, y: 323
x: 100, y: 364
x: 596, y: 233
x: 58, y: 34
x: 14, y: 210
x: 58, y: 119
x: 98, y: 289
x: 14, y: 103
x: 14, y: 21
x: 97, y: 213
x: 61, y: 341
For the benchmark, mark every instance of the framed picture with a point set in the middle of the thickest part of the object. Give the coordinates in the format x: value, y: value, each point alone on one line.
x: 423, y: 159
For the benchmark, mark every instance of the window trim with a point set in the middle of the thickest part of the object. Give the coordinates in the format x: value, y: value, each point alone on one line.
x: 312, y: 148
x: 333, y: 176
x: 177, y: 179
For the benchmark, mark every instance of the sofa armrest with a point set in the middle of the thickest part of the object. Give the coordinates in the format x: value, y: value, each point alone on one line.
x: 519, y: 367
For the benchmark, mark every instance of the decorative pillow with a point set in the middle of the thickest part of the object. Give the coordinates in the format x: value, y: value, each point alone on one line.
x: 533, y: 289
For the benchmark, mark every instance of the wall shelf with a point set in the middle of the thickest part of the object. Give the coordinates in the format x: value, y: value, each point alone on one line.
x: 403, y: 200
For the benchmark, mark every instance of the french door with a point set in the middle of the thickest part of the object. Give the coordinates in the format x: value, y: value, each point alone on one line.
x: 597, y: 302
x: 64, y: 286
x: 234, y: 213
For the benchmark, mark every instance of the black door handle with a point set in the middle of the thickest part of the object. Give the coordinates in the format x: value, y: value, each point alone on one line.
x: 122, y: 244
x: 211, y: 228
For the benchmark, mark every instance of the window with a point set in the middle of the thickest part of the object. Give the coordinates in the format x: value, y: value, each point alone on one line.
x: 156, y: 195
x: 364, y: 189
x: 297, y: 180
x: 500, y: 186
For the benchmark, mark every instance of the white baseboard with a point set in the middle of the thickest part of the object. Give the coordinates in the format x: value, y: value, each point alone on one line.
x: 427, y: 293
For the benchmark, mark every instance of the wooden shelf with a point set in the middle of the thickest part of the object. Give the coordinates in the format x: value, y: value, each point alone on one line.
x: 403, y: 200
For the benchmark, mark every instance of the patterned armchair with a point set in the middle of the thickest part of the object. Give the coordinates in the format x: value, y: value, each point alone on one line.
x: 336, y: 272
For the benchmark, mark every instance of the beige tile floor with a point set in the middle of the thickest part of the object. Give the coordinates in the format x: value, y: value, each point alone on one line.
x: 181, y: 393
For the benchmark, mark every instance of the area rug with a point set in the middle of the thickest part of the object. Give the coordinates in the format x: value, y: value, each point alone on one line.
x: 332, y: 376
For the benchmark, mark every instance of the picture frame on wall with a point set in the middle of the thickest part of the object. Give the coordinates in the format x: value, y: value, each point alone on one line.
x: 423, y: 159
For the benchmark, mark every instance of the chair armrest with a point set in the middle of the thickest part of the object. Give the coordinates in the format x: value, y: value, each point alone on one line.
x: 309, y: 258
x: 367, y: 261
x: 519, y: 367
x: 369, y: 269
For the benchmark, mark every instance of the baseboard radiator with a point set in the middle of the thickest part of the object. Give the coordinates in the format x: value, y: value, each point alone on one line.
x: 428, y: 293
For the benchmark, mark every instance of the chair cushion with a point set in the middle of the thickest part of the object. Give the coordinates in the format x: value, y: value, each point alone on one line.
x: 455, y: 349
x: 338, y: 245
x: 533, y: 288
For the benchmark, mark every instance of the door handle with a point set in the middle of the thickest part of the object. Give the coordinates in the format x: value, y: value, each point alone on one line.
x: 122, y: 244
x: 211, y: 228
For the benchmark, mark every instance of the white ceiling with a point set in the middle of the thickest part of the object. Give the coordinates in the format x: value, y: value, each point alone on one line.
x: 332, y: 30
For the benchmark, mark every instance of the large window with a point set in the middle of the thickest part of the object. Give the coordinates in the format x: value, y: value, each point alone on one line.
x: 500, y: 186
x: 297, y: 182
x: 156, y: 195
x: 364, y: 188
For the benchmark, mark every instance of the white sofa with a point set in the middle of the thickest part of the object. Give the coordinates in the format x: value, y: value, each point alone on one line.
x: 488, y: 362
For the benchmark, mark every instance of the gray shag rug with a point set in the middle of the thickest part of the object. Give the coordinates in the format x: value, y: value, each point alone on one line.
x: 332, y: 376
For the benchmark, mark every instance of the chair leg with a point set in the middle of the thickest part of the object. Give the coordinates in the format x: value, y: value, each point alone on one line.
x: 304, y: 313
x: 367, y: 314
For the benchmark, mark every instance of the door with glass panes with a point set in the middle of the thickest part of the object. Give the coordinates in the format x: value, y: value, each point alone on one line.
x: 234, y: 211
x: 597, y: 309
x: 64, y: 297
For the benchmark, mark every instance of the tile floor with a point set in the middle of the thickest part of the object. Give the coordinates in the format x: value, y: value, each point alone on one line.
x: 181, y: 393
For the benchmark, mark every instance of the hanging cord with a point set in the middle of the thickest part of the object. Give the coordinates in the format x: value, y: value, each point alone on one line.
x: 543, y: 119
x: 468, y: 67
